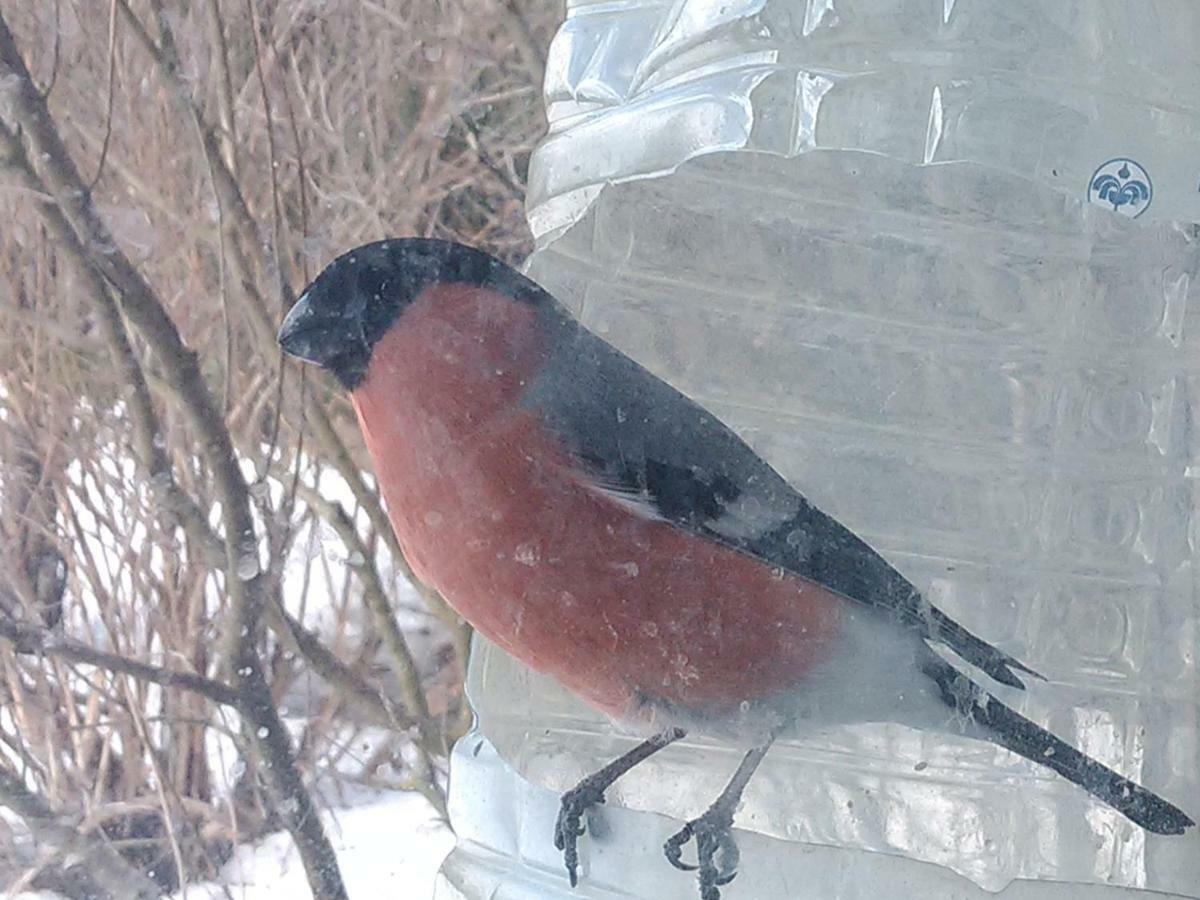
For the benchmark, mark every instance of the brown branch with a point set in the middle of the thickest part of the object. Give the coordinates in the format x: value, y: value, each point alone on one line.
x: 335, y: 452
x: 525, y: 40
x: 362, y: 114
x: 263, y: 726
x: 100, y: 861
x: 250, y: 241
x: 368, y: 574
x: 112, y: 89
x: 225, y: 105
x: 147, y: 428
x: 404, y: 667
x: 32, y: 640
x: 476, y: 143
x: 168, y: 799
x: 91, y: 245
x: 326, y: 664
x: 323, y: 662
x: 243, y: 224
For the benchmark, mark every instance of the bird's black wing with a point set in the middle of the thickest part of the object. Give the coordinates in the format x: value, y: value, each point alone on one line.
x: 647, y: 446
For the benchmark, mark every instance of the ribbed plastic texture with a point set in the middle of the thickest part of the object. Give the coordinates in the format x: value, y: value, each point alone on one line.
x: 937, y: 261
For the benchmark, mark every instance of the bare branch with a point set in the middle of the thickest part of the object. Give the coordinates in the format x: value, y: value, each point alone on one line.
x: 28, y: 639
x: 146, y: 424
x: 103, y: 864
x: 225, y: 107
x: 265, y: 729
x: 240, y: 145
x: 403, y: 664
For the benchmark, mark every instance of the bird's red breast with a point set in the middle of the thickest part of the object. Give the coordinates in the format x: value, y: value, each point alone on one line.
x: 625, y: 610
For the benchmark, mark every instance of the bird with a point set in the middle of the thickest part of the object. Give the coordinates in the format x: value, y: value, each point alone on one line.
x: 612, y: 533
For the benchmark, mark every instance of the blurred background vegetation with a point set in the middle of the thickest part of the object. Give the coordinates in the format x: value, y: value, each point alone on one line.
x: 201, y: 611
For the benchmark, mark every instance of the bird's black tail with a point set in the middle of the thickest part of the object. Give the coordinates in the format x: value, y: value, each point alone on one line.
x: 1014, y: 732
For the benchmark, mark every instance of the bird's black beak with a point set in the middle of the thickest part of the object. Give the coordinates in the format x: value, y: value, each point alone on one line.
x: 305, y: 334
x: 332, y: 339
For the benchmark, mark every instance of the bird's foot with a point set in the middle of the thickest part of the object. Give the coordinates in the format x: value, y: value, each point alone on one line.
x: 569, y: 827
x: 590, y: 792
x: 716, y: 850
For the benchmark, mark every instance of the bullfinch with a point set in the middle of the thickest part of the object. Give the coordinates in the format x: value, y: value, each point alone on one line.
x: 608, y: 531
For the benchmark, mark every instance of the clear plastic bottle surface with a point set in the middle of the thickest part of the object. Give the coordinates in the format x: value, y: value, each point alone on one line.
x: 938, y: 261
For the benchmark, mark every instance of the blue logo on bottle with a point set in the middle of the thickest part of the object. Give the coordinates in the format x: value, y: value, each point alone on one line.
x: 1123, y: 186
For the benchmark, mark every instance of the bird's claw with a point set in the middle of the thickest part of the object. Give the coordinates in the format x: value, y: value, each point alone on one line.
x: 569, y: 827
x: 716, y: 851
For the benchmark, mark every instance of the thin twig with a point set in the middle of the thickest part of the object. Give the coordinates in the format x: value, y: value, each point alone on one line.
x: 112, y: 80
x: 26, y: 639
x: 101, y: 862
x: 264, y: 727
x: 225, y: 105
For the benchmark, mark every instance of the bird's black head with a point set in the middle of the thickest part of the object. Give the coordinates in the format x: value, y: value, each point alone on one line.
x: 356, y: 299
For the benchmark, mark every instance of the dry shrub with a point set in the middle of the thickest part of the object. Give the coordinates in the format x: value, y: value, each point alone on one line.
x: 229, y: 148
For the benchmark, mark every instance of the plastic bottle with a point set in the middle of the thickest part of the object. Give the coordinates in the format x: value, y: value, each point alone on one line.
x: 938, y: 261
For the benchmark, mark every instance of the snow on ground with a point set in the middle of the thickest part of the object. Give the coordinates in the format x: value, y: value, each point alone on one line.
x: 389, y: 846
